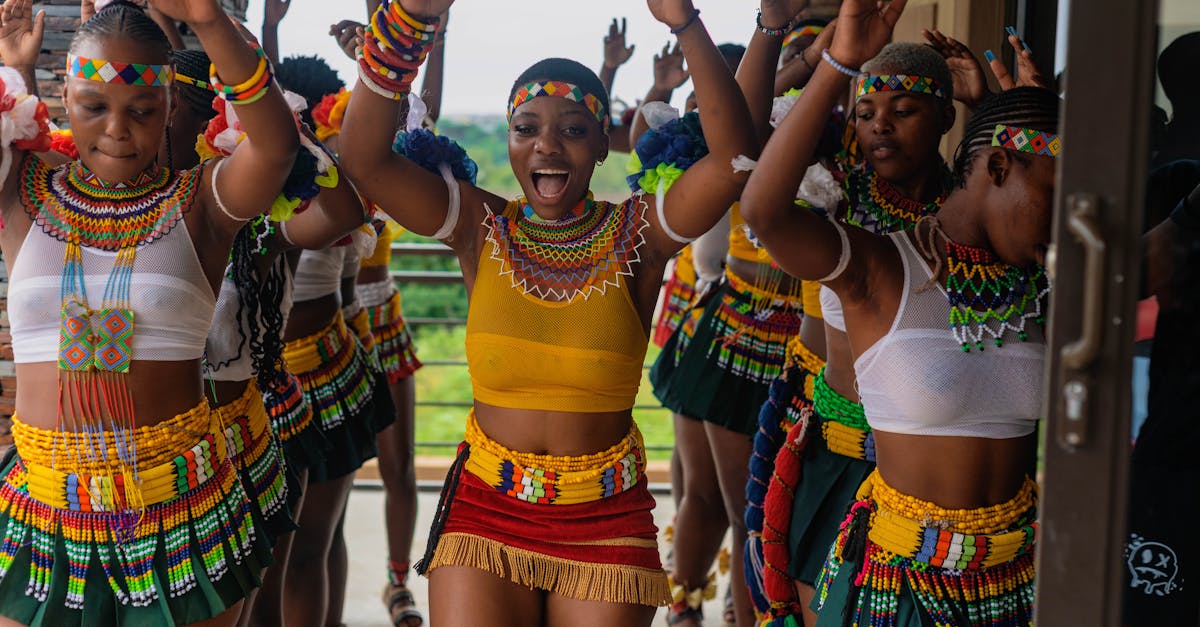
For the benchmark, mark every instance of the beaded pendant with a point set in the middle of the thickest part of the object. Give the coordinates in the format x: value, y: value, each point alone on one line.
x: 989, y: 298
x: 878, y: 207
x: 582, y: 254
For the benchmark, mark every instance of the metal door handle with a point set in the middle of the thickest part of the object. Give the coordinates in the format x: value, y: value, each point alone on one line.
x: 1082, y: 223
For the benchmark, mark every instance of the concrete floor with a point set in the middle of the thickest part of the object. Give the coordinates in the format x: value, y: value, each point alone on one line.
x: 365, y: 535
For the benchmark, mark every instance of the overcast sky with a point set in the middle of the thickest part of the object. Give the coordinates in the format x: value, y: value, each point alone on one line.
x: 489, y: 42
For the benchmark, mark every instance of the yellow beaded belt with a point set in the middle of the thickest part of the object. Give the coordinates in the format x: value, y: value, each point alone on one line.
x: 315, y: 351
x: 759, y: 295
x: 360, y: 323
x: 554, y: 479
x: 81, y: 472
x: 843, y: 422
x: 246, y: 423
x: 960, y: 539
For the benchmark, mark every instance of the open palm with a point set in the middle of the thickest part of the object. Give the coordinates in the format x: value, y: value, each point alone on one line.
x: 864, y: 28
x: 673, y: 13
x: 20, y: 33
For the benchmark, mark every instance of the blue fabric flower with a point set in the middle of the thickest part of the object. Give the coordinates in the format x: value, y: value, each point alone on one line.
x: 665, y: 152
x: 429, y: 151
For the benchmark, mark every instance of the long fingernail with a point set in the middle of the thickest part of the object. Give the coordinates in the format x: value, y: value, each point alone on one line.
x: 1011, y: 30
x: 991, y: 56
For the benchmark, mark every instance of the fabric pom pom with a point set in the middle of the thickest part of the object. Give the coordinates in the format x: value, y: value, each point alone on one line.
x: 62, y: 141
x: 820, y: 189
x: 665, y: 153
x: 328, y: 114
x: 429, y: 151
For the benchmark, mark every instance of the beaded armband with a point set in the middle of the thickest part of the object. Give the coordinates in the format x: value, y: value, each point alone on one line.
x: 394, y: 46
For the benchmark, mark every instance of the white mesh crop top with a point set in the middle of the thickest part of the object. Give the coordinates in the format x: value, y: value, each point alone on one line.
x: 319, y: 273
x: 917, y: 380
x: 171, y: 299
x: 831, y: 309
x: 227, y: 354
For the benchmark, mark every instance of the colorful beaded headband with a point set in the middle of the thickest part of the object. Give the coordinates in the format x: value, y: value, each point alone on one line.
x: 119, y: 73
x: 194, y: 82
x: 1027, y: 140
x: 806, y: 30
x: 869, y: 84
x: 559, y: 89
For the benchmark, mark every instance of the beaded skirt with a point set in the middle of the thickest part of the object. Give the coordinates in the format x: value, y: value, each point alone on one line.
x: 292, y: 422
x: 350, y: 402
x: 718, y: 365
x: 86, y: 544
x: 677, y: 295
x: 255, y: 452
x: 359, y: 322
x: 397, y: 355
x: 581, y: 527
x: 903, y: 561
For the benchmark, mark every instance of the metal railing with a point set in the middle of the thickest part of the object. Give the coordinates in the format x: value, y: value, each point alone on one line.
x: 445, y: 277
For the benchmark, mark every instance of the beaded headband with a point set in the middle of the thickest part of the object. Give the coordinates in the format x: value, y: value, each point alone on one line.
x: 559, y: 89
x: 201, y: 83
x: 870, y: 84
x: 806, y: 30
x: 1027, y: 140
x: 119, y: 73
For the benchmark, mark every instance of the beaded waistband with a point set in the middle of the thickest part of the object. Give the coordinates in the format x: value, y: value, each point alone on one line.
x: 757, y: 293
x: 245, y: 421
x: 312, y: 352
x: 551, y: 479
x: 799, y: 358
x: 82, y: 472
x: 843, y: 422
x: 961, y: 539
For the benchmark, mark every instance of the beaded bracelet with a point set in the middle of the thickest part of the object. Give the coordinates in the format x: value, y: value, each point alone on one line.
x: 249, y: 91
x: 774, y: 32
x: 691, y: 20
x: 394, y: 47
x: 848, y: 71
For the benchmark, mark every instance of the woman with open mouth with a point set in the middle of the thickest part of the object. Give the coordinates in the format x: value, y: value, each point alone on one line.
x: 545, y: 518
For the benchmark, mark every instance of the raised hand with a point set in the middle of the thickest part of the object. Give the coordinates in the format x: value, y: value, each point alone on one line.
x: 776, y: 13
x: 190, y: 11
x: 864, y: 28
x: 426, y: 9
x: 673, y: 13
x: 1028, y: 74
x: 275, y: 10
x: 20, y: 33
x: 970, y: 85
x: 346, y: 33
x: 668, y: 68
x: 615, y: 51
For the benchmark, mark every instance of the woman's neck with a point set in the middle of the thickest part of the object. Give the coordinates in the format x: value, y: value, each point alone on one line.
x: 961, y: 219
x: 926, y: 185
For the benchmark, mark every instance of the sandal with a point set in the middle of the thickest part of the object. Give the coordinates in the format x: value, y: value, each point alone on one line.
x: 402, y: 607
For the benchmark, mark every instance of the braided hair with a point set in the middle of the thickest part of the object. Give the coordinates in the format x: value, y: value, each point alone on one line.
x: 1028, y: 107
x: 260, y: 321
x: 312, y: 78
x: 194, y: 64
x: 126, y: 20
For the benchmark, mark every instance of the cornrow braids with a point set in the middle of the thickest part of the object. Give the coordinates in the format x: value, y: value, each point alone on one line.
x: 126, y: 20
x: 194, y: 64
x: 311, y: 77
x: 1027, y: 107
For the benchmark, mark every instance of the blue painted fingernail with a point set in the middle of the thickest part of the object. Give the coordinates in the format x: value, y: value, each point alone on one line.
x: 991, y: 56
x: 1010, y: 30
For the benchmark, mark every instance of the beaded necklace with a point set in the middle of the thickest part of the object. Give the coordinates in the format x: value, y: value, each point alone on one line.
x: 989, y: 297
x: 878, y: 207
x: 561, y: 260
x: 73, y: 205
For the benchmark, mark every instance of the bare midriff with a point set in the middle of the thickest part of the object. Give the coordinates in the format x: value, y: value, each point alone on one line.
x: 310, y: 316
x: 160, y: 390
x: 956, y: 472
x: 557, y: 433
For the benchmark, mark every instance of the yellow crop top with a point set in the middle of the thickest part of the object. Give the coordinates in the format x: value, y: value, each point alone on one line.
x: 382, y: 255
x: 740, y: 246
x: 580, y: 355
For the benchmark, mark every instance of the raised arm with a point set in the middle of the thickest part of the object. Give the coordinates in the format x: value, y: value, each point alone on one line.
x: 668, y: 76
x: 273, y: 13
x: 706, y: 190
x: 616, y: 54
x: 247, y: 182
x: 802, y: 243
x: 435, y: 71
x: 415, y: 197
x: 756, y: 73
x: 21, y: 39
